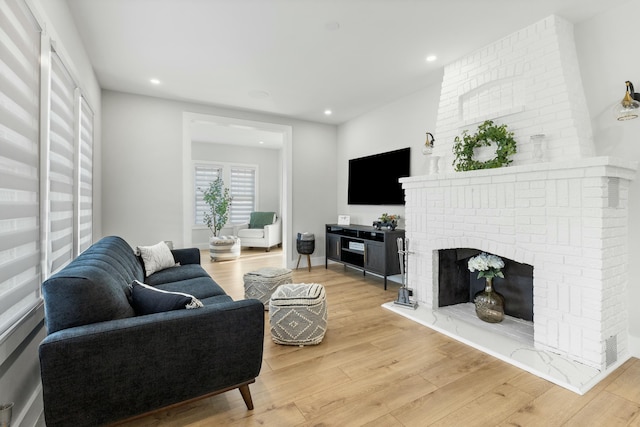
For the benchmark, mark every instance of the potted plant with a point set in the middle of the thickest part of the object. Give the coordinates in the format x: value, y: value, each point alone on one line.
x: 218, y: 199
x: 387, y: 221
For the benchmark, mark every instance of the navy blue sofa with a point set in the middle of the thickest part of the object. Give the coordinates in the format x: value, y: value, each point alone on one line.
x: 101, y: 363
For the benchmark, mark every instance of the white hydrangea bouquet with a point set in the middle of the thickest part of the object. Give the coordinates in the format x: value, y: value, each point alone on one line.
x: 487, y: 265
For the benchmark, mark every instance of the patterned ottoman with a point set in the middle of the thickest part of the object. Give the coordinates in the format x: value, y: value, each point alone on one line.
x: 224, y: 247
x: 261, y: 283
x: 298, y: 314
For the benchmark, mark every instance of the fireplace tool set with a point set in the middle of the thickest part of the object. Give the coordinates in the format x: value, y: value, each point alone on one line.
x: 404, y: 293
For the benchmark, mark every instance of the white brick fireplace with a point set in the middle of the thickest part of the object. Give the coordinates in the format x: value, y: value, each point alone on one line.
x: 565, y: 214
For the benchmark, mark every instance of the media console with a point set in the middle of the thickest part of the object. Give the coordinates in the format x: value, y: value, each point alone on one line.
x: 365, y: 248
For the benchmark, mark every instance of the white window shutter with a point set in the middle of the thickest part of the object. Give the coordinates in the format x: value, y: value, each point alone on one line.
x: 20, y: 273
x: 243, y: 191
x: 61, y: 167
x: 85, y: 178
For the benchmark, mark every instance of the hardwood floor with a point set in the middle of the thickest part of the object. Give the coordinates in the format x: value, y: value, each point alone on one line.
x: 376, y: 368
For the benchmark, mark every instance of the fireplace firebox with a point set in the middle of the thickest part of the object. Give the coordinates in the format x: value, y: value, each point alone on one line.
x: 457, y: 285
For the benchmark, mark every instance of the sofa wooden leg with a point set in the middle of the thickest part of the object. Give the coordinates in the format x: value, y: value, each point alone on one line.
x: 246, y: 395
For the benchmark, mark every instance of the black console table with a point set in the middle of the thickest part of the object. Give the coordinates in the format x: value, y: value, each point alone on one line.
x: 365, y: 248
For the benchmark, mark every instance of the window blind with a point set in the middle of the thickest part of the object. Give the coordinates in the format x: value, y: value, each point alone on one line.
x: 61, y: 166
x: 243, y: 191
x: 204, y: 175
x: 85, y: 178
x: 20, y: 273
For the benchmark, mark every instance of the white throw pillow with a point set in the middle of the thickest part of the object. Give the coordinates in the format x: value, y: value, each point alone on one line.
x: 156, y: 257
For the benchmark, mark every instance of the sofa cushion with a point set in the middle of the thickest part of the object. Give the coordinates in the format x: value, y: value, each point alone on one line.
x: 253, y: 233
x: 156, y: 257
x: 218, y: 299
x: 170, y: 275
x: 260, y: 219
x: 199, y: 287
x: 148, y: 300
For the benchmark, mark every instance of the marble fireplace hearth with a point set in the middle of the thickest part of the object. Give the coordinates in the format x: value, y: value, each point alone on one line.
x: 510, y: 341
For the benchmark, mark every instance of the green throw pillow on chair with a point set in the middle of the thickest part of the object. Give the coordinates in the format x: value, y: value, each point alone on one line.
x: 260, y: 219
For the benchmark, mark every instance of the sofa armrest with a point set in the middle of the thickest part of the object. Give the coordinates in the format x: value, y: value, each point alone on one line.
x: 186, y: 256
x: 100, y: 373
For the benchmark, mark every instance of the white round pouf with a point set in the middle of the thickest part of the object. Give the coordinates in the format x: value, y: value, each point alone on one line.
x: 260, y: 284
x: 223, y: 248
x: 298, y: 314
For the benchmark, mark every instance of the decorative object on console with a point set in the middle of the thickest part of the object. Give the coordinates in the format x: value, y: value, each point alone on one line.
x: 629, y: 107
x: 489, y: 304
x: 390, y: 222
x: 344, y: 219
x: 218, y: 199
x: 487, y: 134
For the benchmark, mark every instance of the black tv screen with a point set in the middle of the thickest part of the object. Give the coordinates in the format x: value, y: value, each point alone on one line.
x: 373, y: 180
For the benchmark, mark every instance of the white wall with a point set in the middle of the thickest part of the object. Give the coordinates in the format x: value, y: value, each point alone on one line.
x: 607, y: 60
x: 403, y: 123
x: 142, y: 173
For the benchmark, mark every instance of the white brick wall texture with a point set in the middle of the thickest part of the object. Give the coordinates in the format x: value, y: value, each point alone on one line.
x: 529, y: 80
x: 556, y: 216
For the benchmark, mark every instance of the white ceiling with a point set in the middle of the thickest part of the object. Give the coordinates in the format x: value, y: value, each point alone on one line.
x: 296, y: 58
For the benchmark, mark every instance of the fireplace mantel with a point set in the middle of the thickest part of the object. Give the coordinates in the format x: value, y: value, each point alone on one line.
x: 604, y: 165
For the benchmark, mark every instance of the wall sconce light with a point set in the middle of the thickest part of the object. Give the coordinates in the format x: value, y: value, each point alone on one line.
x: 428, y: 145
x: 629, y: 107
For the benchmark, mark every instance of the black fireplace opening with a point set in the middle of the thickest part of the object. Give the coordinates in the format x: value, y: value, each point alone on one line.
x: 457, y: 285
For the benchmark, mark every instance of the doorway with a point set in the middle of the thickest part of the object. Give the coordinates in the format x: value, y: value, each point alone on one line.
x: 220, y: 130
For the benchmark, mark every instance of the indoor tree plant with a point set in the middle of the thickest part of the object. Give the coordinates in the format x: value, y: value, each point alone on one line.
x: 218, y: 199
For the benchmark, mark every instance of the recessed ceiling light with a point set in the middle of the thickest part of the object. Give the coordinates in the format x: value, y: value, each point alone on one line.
x: 154, y: 81
x: 328, y: 112
x: 260, y: 142
x: 431, y: 58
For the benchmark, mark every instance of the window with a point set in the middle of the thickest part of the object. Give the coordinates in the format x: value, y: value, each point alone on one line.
x: 46, y: 164
x: 204, y: 175
x: 241, y: 181
x: 85, y: 178
x: 20, y: 257
x: 243, y: 192
x: 61, y: 167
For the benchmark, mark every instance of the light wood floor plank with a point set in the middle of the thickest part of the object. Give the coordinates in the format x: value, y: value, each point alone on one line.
x: 376, y: 368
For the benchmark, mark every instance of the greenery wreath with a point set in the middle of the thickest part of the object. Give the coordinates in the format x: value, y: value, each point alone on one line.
x: 487, y: 133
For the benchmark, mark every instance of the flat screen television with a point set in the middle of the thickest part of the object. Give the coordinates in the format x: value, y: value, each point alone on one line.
x: 373, y: 180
